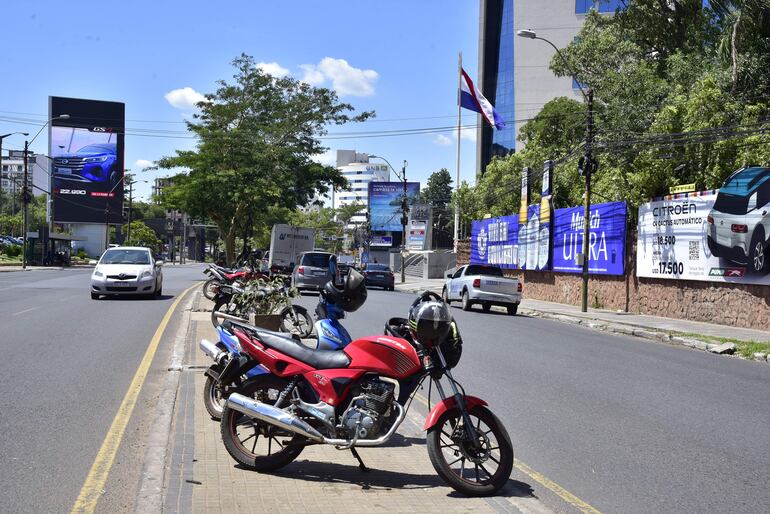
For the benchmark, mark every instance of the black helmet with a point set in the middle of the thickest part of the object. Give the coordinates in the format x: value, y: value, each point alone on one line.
x: 350, y: 296
x: 429, y: 321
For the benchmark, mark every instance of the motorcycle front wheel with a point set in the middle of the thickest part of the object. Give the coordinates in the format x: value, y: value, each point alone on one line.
x: 222, y: 305
x: 210, y: 288
x: 471, y: 470
x: 296, y: 320
x: 255, y: 444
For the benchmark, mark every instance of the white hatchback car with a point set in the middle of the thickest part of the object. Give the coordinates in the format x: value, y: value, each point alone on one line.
x: 127, y: 270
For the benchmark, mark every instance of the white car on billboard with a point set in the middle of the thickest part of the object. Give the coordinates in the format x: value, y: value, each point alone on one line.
x: 739, y: 223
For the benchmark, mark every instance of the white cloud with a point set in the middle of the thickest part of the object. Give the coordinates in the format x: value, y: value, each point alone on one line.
x: 311, y: 75
x: 442, y: 140
x: 143, y: 163
x: 345, y: 79
x: 467, y: 133
x: 273, y: 68
x: 328, y: 158
x: 184, y: 98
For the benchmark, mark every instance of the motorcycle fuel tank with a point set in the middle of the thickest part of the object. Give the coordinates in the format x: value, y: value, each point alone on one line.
x: 388, y: 356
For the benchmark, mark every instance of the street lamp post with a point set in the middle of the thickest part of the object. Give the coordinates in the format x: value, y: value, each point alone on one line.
x: 588, y: 164
x: 25, y: 195
x: 404, y: 211
x: 1, y: 158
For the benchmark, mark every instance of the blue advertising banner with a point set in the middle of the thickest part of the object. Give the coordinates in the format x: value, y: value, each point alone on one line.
x: 385, y: 203
x: 505, y: 243
x: 606, y: 242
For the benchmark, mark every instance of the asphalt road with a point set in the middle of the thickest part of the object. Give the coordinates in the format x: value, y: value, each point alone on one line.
x: 625, y: 424
x: 66, y: 364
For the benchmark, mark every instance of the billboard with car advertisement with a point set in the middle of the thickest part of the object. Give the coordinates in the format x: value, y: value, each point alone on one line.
x: 503, y: 242
x: 86, y: 152
x: 720, y: 235
x: 385, y: 204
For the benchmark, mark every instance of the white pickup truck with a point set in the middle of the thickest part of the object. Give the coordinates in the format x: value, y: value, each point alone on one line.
x: 484, y: 285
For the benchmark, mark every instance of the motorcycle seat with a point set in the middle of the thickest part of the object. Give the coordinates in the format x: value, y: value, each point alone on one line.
x: 319, y: 359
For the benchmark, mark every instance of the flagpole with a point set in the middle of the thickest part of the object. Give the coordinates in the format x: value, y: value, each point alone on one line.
x: 459, y: 121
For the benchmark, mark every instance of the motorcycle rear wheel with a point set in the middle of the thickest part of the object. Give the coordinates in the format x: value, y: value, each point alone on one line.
x: 213, y: 400
x: 242, y: 435
x: 208, y: 288
x: 464, y: 468
x: 296, y: 320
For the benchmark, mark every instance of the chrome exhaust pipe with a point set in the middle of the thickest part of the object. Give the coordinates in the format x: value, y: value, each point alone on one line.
x: 273, y: 416
x: 213, y: 351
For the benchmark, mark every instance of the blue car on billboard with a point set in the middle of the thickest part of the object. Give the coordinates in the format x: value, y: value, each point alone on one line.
x: 92, y: 163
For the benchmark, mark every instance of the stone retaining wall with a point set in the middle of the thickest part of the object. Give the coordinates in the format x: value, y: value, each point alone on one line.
x: 727, y: 304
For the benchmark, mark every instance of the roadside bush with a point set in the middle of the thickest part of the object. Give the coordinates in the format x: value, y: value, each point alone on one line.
x: 81, y: 254
x: 12, y: 250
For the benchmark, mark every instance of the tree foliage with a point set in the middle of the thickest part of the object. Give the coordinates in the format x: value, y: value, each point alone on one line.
x: 256, y: 137
x: 682, y: 95
x: 438, y: 194
x: 142, y: 235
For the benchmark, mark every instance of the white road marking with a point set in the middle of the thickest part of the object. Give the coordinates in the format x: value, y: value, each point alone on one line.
x: 25, y: 310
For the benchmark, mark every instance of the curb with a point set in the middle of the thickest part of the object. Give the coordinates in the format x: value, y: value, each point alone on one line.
x: 622, y: 329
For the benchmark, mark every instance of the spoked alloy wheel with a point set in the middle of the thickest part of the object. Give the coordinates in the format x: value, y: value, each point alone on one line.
x: 472, y: 471
x: 254, y: 444
x: 296, y: 320
x: 211, y: 287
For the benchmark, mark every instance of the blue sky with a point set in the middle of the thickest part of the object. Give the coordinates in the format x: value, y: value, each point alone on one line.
x: 398, y: 58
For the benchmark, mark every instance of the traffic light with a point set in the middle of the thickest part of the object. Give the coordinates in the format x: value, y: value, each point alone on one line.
x: 587, y: 165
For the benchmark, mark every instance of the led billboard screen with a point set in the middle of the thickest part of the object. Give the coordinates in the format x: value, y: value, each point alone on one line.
x: 385, y: 203
x: 86, y: 152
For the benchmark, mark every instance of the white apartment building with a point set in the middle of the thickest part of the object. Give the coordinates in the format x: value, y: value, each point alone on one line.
x: 12, y: 173
x: 359, y: 171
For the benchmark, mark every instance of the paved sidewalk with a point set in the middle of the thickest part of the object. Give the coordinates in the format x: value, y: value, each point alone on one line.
x: 44, y: 268
x: 620, y: 318
x: 202, y: 477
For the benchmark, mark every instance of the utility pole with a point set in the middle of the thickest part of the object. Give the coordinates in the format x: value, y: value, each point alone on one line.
x: 589, y: 166
x: 25, y: 201
x: 130, y: 203
x: 404, y: 212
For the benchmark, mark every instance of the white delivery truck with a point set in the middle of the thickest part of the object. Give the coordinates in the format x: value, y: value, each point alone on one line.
x: 286, y: 243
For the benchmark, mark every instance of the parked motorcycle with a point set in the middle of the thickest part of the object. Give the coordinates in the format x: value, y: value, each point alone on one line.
x: 359, y: 396
x: 295, y: 319
x: 220, y: 276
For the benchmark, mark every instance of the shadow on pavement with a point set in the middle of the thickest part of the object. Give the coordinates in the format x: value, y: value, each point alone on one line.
x: 377, y: 479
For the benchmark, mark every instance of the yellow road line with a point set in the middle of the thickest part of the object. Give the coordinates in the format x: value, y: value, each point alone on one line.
x: 543, y: 480
x: 97, y: 477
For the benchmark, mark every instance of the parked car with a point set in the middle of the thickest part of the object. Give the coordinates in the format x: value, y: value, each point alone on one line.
x: 312, y: 271
x: 484, y: 285
x: 379, y: 275
x: 92, y: 163
x: 127, y: 270
x: 739, y: 223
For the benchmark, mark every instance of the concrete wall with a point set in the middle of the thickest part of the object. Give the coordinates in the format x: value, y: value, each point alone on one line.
x: 713, y: 302
x: 437, y: 263
x: 96, y: 242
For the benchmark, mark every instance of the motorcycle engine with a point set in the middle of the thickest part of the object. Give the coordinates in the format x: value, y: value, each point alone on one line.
x: 368, y: 407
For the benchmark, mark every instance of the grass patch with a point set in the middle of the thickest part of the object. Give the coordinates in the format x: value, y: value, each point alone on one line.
x: 745, y: 348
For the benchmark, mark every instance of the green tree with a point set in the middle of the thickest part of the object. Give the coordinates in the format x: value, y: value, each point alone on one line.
x: 142, y: 235
x: 438, y: 193
x: 256, y: 136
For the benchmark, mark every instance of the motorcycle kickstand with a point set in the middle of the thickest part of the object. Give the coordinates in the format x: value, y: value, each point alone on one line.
x: 358, y: 457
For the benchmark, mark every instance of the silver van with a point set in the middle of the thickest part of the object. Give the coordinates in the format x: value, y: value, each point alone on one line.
x: 312, y: 271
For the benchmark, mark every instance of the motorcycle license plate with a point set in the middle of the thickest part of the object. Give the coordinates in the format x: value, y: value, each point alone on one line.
x: 121, y: 284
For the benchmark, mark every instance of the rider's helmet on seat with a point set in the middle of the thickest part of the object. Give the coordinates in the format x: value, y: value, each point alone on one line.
x: 349, y: 296
x: 429, y: 321
x: 431, y: 324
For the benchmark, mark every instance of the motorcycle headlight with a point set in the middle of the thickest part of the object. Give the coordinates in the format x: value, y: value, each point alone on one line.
x: 146, y: 273
x: 97, y: 159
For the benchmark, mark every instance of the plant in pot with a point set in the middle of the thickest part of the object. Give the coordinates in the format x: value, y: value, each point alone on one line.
x: 260, y: 300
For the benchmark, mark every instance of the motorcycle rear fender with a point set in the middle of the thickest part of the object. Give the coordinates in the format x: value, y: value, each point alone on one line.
x: 448, y: 404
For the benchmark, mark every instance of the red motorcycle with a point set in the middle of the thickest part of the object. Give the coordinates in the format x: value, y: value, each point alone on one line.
x: 223, y: 276
x: 358, y: 397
